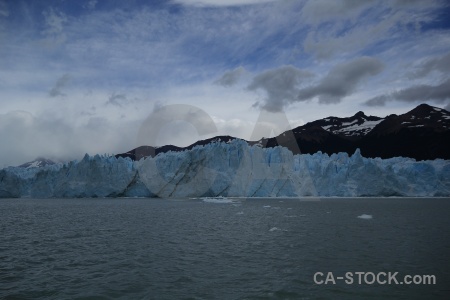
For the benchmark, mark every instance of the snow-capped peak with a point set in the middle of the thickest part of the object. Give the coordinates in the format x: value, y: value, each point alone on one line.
x: 37, y: 163
x: 355, y: 126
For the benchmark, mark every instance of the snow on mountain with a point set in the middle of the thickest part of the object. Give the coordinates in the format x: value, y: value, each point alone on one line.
x: 422, y: 134
x: 356, y: 126
x: 37, y: 163
x: 229, y: 169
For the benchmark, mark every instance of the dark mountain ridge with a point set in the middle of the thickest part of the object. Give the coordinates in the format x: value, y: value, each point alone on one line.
x: 422, y: 133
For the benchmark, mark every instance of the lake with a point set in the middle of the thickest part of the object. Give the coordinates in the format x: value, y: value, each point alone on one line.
x: 219, y: 249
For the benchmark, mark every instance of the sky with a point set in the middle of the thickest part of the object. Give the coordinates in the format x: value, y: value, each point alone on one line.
x: 86, y: 76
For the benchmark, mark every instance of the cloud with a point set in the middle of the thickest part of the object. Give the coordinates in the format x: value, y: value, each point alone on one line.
x: 341, y: 81
x: 91, y: 4
x: 59, y: 85
x: 117, y: 100
x: 345, y: 27
x: 206, y: 3
x: 418, y: 93
x: 378, y: 100
x: 447, y: 107
x: 424, y: 92
x: 4, y: 11
x: 54, y: 25
x: 342, y: 39
x: 231, y: 77
x: 26, y: 136
x: 177, y: 122
x: 412, y: 3
x: 441, y: 64
x: 281, y: 86
x: 317, y: 11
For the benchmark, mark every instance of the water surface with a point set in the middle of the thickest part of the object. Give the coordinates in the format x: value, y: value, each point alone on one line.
x: 246, y: 249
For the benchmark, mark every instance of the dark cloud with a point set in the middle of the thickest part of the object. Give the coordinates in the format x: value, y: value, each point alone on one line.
x: 447, y: 107
x: 59, y: 85
x: 230, y: 78
x: 419, y: 93
x: 378, y: 100
x: 441, y: 64
x: 118, y: 100
x: 341, y: 81
x: 281, y: 86
x: 424, y: 92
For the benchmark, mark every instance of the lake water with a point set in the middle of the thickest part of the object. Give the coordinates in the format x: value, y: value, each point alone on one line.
x: 246, y: 249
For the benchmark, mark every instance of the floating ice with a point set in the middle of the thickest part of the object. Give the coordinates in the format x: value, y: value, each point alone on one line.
x: 274, y: 228
x: 364, y: 216
x: 240, y: 213
x: 217, y: 200
x: 266, y: 206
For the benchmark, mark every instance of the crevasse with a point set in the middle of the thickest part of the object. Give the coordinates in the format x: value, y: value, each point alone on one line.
x: 234, y: 170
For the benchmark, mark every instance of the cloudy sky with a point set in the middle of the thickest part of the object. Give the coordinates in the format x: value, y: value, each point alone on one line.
x: 83, y: 76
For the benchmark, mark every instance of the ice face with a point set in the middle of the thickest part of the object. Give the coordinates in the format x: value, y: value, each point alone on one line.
x: 231, y: 170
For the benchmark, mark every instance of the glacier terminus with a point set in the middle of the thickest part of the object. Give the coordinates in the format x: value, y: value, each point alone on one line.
x: 233, y: 169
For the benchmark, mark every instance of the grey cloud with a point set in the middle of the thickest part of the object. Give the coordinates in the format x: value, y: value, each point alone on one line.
x: 281, y: 86
x: 342, y: 80
x: 158, y: 105
x: 118, y: 100
x: 348, y: 29
x: 231, y: 77
x: 441, y: 64
x: 324, y: 44
x: 424, y: 92
x: 180, y: 124
x: 45, y: 136
x: 419, y: 93
x: 447, y: 107
x: 59, y: 85
x: 378, y: 100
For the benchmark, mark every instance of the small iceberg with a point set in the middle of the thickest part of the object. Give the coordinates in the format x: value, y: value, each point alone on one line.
x: 266, y: 206
x: 216, y: 200
x: 364, y: 216
x: 240, y: 213
x: 273, y: 229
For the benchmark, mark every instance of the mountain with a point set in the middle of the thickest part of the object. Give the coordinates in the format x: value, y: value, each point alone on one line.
x: 37, y: 163
x: 352, y: 127
x: 231, y: 167
x: 422, y: 133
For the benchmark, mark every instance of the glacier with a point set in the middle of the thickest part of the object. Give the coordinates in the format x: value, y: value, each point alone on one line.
x: 232, y: 169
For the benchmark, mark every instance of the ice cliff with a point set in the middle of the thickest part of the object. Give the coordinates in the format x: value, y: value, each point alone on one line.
x: 231, y: 169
